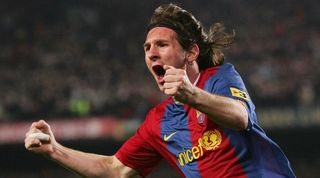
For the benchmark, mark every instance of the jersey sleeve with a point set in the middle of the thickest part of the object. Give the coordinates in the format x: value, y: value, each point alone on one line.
x: 137, y: 152
x: 228, y: 83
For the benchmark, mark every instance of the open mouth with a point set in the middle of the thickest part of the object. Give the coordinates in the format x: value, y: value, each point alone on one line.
x: 158, y: 70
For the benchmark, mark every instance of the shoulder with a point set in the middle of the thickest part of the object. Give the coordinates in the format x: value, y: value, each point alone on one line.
x: 222, y: 71
x: 227, y: 70
x: 229, y: 73
x: 219, y: 77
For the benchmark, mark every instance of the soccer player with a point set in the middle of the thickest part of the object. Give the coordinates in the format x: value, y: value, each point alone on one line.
x: 207, y: 127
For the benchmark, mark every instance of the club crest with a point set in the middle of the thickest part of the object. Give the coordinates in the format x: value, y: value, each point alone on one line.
x: 200, y: 117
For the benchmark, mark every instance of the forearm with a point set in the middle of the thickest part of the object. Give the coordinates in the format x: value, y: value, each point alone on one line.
x: 222, y: 110
x: 84, y: 164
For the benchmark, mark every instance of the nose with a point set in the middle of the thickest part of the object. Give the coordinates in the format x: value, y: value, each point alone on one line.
x: 153, y: 53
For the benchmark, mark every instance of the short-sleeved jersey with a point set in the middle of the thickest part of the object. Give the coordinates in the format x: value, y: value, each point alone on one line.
x: 196, y: 146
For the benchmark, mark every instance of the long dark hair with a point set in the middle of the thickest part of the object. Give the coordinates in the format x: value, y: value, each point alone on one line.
x: 189, y: 31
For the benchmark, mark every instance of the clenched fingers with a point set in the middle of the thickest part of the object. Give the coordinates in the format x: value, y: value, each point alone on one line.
x: 172, y: 88
x: 31, y: 142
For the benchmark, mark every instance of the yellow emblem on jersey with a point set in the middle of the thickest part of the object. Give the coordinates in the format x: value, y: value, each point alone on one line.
x: 238, y: 93
x: 211, y: 139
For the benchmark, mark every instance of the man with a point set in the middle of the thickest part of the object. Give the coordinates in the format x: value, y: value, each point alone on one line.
x: 207, y: 127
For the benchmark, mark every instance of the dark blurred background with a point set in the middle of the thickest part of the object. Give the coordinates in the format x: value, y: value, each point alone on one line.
x: 80, y: 65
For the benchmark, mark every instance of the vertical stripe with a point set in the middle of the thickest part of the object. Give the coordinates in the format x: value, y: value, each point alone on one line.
x: 221, y: 162
x: 160, y: 145
x: 175, y: 120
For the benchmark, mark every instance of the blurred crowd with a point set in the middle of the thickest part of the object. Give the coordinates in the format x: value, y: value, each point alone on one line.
x: 78, y: 58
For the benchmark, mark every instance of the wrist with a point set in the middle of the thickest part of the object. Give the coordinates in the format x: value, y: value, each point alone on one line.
x: 193, y: 98
x: 55, y: 151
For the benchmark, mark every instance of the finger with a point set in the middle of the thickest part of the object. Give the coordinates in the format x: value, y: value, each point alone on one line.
x: 176, y: 72
x: 32, y: 130
x: 172, y: 78
x: 40, y: 136
x: 169, y: 85
x: 32, y: 142
x: 166, y: 67
x: 39, y: 124
x: 33, y: 125
x: 43, y: 126
x: 170, y: 70
x: 171, y: 91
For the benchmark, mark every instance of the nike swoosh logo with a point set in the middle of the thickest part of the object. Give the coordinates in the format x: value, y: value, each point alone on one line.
x: 166, y: 138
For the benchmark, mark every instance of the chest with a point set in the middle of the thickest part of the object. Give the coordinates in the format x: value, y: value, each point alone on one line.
x: 183, y: 127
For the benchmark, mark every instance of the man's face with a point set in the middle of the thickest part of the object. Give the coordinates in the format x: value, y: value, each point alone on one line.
x: 162, y: 48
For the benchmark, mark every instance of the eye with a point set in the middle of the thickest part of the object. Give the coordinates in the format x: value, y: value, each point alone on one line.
x: 163, y: 44
x: 146, y: 47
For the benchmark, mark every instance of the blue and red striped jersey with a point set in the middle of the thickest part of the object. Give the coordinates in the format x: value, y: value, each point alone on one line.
x: 196, y: 146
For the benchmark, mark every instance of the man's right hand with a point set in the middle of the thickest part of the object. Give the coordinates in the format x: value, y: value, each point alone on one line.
x: 39, y: 138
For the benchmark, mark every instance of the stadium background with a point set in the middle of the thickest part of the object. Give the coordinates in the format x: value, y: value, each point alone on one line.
x: 80, y: 65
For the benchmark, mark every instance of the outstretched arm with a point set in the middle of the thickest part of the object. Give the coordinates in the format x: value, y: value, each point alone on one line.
x: 84, y: 164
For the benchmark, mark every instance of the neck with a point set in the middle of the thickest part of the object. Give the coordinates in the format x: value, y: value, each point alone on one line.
x: 193, y: 72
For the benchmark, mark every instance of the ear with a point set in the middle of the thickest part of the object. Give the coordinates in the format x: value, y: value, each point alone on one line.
x: 193, y: 53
